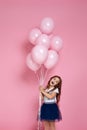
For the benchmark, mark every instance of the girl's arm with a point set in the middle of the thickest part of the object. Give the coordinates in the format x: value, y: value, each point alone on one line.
x: 48, y: 95
x: 42, y: 97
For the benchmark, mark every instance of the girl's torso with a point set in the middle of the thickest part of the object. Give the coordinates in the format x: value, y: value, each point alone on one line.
x: 53, y: 100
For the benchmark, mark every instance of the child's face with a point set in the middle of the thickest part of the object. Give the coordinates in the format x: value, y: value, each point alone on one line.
x: 54, y: 81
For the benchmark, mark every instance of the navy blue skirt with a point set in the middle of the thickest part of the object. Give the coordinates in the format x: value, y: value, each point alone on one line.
x: 50, y: 112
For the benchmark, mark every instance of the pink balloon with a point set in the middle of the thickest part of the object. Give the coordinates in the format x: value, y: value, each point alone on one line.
x: 52, y: 59
x: 34, y: 34
x: 44, y: 40
x: 31, y: 64
x: 47, y: 25
x: 39, y: 54
x: 56, y: 43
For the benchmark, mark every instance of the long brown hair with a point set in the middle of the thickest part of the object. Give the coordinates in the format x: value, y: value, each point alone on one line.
x: 56, y: 86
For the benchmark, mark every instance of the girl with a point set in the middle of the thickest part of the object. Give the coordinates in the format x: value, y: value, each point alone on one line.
x: 50, y: 110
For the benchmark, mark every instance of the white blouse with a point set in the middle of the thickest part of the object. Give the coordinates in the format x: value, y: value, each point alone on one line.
x: 53, y: 100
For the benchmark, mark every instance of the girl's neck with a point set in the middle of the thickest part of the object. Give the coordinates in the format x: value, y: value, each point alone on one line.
x: 51, y: 87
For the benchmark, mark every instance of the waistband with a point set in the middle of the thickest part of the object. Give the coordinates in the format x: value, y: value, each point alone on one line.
x: 49, y: 102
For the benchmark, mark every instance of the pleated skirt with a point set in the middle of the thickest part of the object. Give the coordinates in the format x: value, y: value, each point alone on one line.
x: 50, y: 112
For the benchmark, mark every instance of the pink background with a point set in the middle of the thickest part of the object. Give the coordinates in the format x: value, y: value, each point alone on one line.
x: 18, y: 84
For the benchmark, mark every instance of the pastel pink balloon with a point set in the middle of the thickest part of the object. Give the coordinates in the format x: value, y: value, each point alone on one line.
x: 44, y: 40
x: 47, y: 25
x: 56, y: 43
x: 33, y: 35
x: 39, y: 54
x: 52, y: 59
x: 31, y: 64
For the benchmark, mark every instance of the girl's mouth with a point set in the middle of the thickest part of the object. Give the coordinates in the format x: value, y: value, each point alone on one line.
x: 52, y: 82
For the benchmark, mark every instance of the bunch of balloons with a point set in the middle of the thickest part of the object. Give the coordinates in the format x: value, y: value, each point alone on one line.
x: 46, y: 46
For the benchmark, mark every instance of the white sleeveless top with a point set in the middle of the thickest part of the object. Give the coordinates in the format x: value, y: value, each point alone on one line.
x: 53, y: 100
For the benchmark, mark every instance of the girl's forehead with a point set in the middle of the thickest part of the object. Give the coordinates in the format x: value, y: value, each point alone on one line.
x: 56, y: 78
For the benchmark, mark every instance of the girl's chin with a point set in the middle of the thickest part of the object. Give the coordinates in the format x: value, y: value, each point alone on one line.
x: 51, y: 85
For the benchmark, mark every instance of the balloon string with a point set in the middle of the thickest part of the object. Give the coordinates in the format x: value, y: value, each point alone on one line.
x: 45, y: 74
x: 41, y: 75
x: 37, y: 75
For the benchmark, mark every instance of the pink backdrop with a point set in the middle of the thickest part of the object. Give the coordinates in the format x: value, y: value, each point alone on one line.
x: 18, y: 84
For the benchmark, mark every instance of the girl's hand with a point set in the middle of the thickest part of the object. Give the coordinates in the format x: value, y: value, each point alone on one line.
x: 41, y: 88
